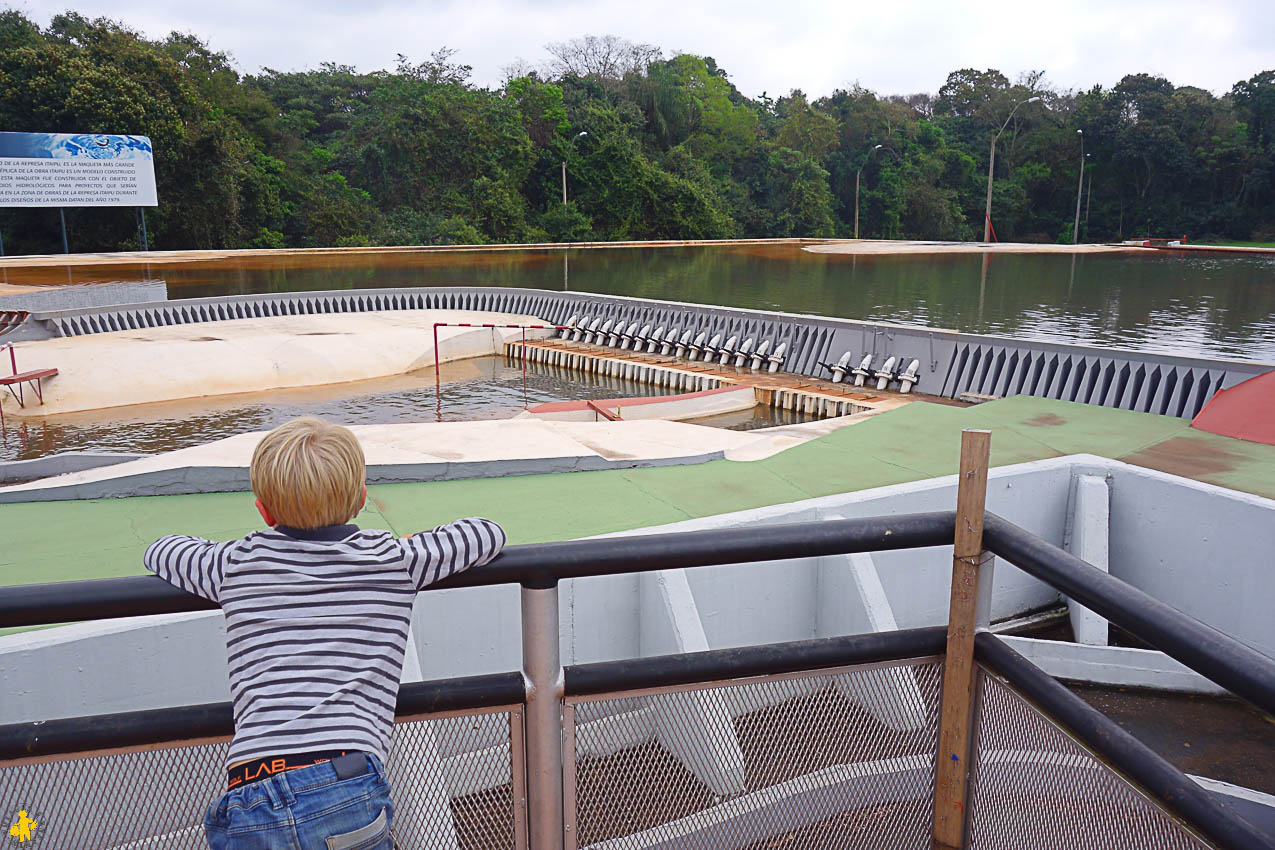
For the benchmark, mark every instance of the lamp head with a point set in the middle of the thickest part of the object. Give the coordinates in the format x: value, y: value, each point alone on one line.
x: 878, y: 147
x: 583, y: 133
x: 1032, y: 99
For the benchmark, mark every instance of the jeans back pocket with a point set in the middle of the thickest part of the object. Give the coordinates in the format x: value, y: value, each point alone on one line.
x: 364, y: 838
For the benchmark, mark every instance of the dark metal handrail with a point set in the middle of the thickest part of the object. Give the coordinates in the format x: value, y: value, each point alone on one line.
x: 1219, y: 657
x: 1161, y: 780
x: 469, y: 693
x: 747, y: 661
x: 216, y: 719
x: 531, y: 565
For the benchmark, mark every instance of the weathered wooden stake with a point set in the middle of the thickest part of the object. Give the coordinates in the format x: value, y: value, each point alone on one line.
x: 968, y: 561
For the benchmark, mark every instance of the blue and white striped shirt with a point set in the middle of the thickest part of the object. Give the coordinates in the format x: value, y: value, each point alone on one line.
x: 317, y: 624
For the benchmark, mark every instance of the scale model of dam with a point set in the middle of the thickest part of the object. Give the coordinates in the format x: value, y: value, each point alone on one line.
x: 948, y: 363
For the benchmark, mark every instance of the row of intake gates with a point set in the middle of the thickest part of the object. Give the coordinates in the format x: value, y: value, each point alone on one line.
x: 696, y: 345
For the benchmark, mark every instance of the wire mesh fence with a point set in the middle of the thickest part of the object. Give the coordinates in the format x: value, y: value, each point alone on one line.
x: 833, y: 758
x: 455, y: 779
x: 1035, y: 786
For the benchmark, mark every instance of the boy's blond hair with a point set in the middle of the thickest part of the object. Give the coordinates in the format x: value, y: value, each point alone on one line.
x: 309, y: 473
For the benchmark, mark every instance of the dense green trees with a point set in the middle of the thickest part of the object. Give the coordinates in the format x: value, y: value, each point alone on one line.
x: 671, y: 149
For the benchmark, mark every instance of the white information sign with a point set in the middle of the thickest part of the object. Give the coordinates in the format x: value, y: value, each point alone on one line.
x: 76, y: 170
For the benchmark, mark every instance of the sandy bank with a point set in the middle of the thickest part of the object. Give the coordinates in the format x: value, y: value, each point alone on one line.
x: 133, y: 258
x: 250, y: 355
x: 888, y: 246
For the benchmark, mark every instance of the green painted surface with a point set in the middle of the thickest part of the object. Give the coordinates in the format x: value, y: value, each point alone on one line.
x: 61, y: 541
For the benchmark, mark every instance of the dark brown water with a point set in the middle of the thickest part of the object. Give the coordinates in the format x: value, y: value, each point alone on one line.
x: 1208, y: 305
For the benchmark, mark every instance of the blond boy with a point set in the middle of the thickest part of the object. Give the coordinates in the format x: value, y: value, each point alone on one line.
x: 317, y: 615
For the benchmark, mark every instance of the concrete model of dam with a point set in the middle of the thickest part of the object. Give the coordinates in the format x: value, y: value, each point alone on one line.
x: 949, y: 364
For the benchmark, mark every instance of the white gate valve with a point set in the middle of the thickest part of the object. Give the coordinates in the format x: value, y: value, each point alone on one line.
x: 864, y: 370
x: 777, y: 359
x: 885, y: 374
x: 840, y: 368
x: 910, y: 377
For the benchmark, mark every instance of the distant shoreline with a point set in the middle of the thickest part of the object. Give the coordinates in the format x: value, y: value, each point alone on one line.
x: 889, y: 246
x: 821, y: 246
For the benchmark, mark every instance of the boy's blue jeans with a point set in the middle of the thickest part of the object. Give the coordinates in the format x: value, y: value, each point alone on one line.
x: 309, y: 808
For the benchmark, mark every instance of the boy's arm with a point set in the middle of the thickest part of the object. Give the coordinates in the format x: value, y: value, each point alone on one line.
x: 434, y: 555
x: 195, y: 565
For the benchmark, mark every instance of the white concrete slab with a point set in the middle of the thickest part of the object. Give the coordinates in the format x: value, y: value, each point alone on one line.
x: 429, y: 451
x: 1123, y: 666
x: 250, y: 355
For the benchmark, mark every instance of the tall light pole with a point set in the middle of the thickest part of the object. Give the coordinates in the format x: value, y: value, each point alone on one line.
x: 1080, y: 184
x: 856, y: 188
x: 991, y: 164
x: 1088, y: 199
x: 564, y: 167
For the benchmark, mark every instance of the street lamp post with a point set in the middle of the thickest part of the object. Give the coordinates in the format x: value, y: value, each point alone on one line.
x: 991, y: 164
x: 856, y: 189
x: 1080, y: 185
x: 1088, y: 199
x: 564, y: 167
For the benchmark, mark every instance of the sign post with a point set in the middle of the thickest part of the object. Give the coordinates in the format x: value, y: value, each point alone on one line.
x: 76, y: 170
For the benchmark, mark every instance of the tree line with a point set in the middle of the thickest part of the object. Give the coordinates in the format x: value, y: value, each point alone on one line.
x: 655, y: 148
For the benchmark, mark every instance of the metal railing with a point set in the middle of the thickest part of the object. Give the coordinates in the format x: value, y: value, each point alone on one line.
x: 830, y: 742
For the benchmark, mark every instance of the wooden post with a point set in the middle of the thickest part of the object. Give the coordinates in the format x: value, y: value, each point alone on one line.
x: 969, y: 564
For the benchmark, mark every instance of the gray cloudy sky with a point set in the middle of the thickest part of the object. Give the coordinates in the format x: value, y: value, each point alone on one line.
x: 773, y: 46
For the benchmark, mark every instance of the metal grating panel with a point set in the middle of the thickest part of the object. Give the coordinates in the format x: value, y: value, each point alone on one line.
x: 1033, y: 786
x: 840, y: 758
x: 451, y: 776
x: 454, y: 781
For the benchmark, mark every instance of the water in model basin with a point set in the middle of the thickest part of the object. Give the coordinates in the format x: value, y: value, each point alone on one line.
x: 480, y: 388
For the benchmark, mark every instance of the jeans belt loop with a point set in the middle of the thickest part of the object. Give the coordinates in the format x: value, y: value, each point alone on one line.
x: 271, y: 791
x: 284, y: 786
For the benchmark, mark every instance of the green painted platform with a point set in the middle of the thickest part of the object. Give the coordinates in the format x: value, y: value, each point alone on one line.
x: 62, y: 541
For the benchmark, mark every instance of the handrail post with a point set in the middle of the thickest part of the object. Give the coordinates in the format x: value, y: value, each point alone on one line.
x: 543, y: 680
x: 970, y: 604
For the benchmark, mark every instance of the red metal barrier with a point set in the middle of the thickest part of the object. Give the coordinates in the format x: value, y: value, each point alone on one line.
x: 438, y: 386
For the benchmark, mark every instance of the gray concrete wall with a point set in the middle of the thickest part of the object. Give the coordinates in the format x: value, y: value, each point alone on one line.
x: 59, y: 464
x: 88, y: 296
x: 1211, y: 556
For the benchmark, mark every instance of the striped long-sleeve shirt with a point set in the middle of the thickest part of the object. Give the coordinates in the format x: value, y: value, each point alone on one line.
x: 316, y: 624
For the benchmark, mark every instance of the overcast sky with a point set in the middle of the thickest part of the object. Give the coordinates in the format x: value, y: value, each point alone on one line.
x: 773, y: 46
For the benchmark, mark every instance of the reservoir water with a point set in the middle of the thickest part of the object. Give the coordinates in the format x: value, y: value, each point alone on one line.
x: 1171, y: 302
